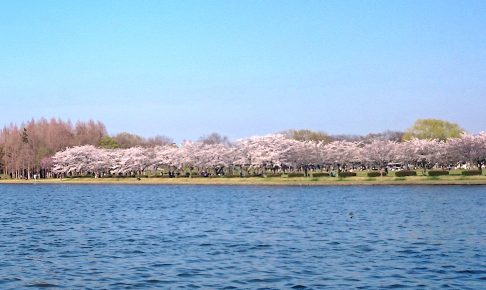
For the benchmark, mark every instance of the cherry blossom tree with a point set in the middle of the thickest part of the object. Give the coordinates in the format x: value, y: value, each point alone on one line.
x: 259, y: 154
x: 378, y: 153
x: 421, y: 153
x: 468, y: 149
x: 342, y: 154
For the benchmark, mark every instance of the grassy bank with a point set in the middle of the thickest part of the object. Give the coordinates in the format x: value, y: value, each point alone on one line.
x: 358, y: 180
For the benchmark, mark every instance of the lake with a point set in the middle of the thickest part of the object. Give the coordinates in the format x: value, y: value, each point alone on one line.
x: 242, y: 237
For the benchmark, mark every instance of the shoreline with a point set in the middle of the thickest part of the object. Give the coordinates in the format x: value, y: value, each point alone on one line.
x: 270, y: 181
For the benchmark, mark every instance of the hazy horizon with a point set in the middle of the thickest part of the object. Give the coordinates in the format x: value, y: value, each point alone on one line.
x: 186, y: 69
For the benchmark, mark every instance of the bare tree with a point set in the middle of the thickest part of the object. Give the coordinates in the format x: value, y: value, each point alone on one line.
x: 214, y: 138
x: 158, y: 140
x: 128, y: 140
x: 24, y: 146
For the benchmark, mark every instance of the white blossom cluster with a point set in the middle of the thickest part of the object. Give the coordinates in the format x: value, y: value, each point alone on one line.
x: 275, y: 152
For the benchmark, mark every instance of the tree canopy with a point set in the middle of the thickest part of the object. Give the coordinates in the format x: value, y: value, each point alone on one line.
x: 433, y: 129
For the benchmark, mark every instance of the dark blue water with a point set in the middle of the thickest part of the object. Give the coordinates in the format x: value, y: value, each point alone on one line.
x: 222, y: 237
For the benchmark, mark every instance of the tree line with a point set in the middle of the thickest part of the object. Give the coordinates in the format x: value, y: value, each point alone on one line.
x: 56, y: 147
x: 270, y: 154
x: 23, y: 148
x: 26, y: 149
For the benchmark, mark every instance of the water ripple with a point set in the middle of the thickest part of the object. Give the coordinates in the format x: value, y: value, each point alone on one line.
x: 223, y: 237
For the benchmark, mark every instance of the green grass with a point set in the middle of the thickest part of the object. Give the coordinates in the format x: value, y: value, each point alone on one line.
x: 358, y: 180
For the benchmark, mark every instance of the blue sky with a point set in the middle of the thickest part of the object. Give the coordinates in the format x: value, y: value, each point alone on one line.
x: 241, y: 68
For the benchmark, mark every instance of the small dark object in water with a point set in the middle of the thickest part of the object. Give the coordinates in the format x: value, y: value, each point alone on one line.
x: 351, y: 215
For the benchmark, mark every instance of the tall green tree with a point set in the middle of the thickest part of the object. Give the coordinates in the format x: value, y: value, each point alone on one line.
x: 108, y: 143
x: 433, y: 129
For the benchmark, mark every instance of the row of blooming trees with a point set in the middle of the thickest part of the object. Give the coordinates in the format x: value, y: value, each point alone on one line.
x: 265, y: 154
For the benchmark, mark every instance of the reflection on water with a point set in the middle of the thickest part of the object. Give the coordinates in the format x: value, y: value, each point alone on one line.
x: 223, y: 237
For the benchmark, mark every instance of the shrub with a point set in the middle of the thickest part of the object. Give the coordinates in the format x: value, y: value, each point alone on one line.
x: 155, y: 176
x: 403, y: 173
x: 471, y: 172
x: 437, y: 172
x: 346, y: 174
x: 320, y: 174
x: 296, y: 174
x: 376, y: 174
x: 273, y: 175
x: 233, y: 176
